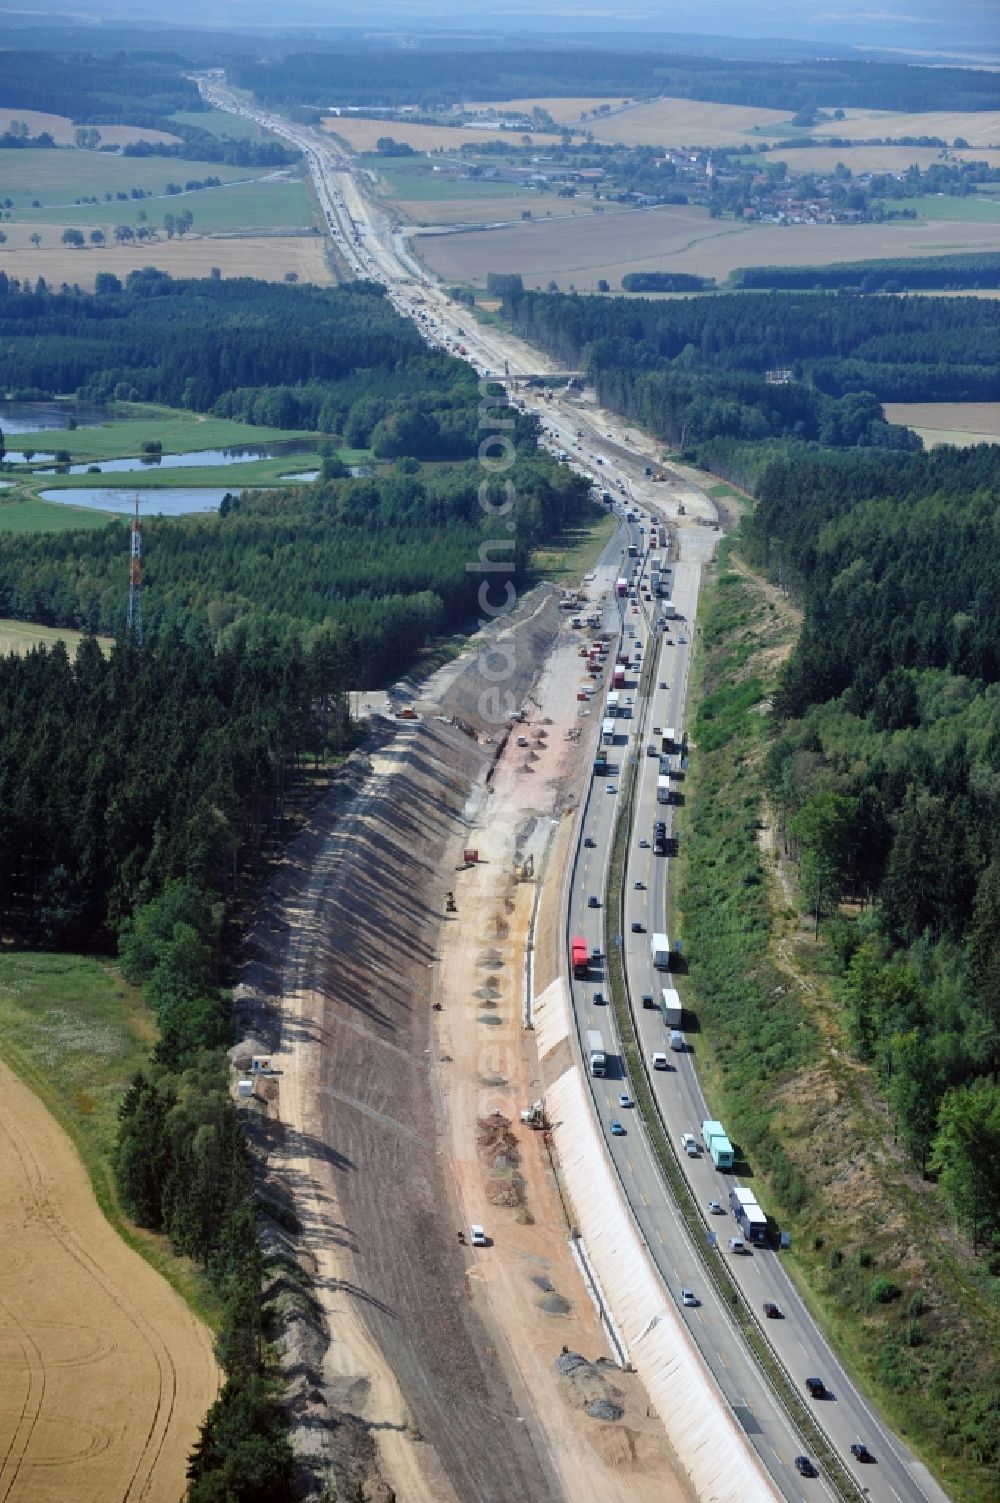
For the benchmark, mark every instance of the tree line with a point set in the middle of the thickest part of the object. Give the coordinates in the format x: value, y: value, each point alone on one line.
x: 796, y: 367
x: 439, y: 77
x: 900, y: 274
x: 884, y: 770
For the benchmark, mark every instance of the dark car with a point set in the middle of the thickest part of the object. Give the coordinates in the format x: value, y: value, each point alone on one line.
x: 804, y: 1467
x: 816, y: 1388
x: 637, y: 927
x: 771, y: 1310
x: 590, y: 842
x: 860, y: 1451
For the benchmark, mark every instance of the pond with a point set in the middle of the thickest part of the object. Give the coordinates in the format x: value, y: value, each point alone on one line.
x: 178, y: 501
x: 196, y: 457
x: 33, y: 417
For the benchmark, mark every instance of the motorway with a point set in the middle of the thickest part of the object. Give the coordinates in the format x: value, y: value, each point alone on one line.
x: 369, y: 246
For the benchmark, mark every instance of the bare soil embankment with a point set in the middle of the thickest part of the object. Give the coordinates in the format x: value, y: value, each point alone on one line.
x: 409, y: 1388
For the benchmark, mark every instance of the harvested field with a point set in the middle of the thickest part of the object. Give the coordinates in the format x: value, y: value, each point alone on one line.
x: 105, y: 1375
x: 692, y: 122
x: 961, y: 423
x: 870, y: 158
x: 361, y: 134
x: 563, y: 111
x: 506, y: 208
x: 689, y: 122
x: 63, y: 131
x: 681, y: 238
x: 21, y: 636
x: 270, y: 257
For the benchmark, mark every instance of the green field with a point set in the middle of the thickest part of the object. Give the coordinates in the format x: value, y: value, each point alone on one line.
x: 221, y: 123
x: 972, y: 210
x: 21, y: 636
x: 178, y: 432
x: 260, y: 205
x: 75, y: 1032
x: 410, y: 179
x: 33, y: 515
x: 62, y: 175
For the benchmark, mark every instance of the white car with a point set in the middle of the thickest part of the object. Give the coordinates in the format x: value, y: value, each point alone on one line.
x: 689, y: 1145
x: 660, y: 1061
x: 477, y: 1235
x: 688, y: 1297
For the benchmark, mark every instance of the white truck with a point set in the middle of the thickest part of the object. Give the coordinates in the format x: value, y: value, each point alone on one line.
x: 608, y: 731
x: 596, y: 1057
x: 660, y: 948
x: 670, y: 1007
x: 662, y: 790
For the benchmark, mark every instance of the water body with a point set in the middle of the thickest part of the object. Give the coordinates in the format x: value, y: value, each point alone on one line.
x: 178, y: 501
x: 214, y: 457
x: 18, y: 456
x: 34, y: 417
x: 303, y: 475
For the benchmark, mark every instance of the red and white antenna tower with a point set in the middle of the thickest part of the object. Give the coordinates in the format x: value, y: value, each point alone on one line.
x: 134, y: 616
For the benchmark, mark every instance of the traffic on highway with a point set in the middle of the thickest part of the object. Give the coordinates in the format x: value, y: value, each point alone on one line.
x: 653, y: 646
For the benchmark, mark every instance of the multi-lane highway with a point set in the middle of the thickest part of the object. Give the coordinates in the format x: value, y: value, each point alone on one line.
x: 844, y: 1414
x: 368, y: 245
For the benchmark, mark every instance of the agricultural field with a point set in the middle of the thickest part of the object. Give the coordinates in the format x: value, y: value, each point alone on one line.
x: 690, y: 122
x: 960, y: 423
x: 867, y: 158
x: 977, y: 209
x: 271, y: 258
x: 362, y: 134
x: 680, y: 238
x: 63, y: 130
x: 562, y: 111
x: 221, y: 123
x: 25, y: 513
x: 106, y: 1381
x: 21, y: 636
x: 278, y: 201
x: 57, y: 178
x: 176, y: 431
x: 422, y: 196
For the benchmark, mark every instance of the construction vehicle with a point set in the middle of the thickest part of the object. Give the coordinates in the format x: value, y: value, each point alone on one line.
x: 450, y: 906
x: 534, y: 1115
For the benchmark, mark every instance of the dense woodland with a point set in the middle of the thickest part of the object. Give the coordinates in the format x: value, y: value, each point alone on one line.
x: 885, y: 772
x: 901, y: 274
x: 435, y: 78
x: 795, y: 366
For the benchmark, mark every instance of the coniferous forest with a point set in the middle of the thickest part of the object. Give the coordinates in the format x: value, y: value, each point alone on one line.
x: 139, y: 790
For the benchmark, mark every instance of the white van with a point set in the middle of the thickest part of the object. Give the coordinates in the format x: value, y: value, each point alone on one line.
x: 689, y: 1145
x: 676, y: 1040
x: 737, y: 1245
x: 660, y: 1061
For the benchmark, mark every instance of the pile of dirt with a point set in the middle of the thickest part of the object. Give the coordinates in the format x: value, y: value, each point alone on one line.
x: 498, y: 1150
x: 586, y: 1387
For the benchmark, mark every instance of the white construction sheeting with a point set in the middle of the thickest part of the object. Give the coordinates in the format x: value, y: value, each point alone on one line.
x: 708, y: 1442
x: 551, y: 1016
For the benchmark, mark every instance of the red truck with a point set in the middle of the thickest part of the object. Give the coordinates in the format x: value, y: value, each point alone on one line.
x: 619, y: 678
x: 580, y: 957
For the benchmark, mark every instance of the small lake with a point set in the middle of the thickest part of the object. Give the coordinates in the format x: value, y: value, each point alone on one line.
x: 33, y: 417
x: 197, y: 457
x: 178, y: 501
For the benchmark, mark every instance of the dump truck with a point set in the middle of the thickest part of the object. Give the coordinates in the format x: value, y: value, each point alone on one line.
x: 597, y: 1060
x: 660, y: 949
x: 580, y: 957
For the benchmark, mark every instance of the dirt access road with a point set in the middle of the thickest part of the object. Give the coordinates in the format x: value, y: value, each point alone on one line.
x: 105, y: 1374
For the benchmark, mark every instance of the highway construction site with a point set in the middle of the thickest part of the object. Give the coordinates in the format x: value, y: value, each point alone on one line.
x: 394, y: 1123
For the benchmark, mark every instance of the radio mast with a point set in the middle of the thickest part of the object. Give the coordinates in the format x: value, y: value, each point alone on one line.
x: 134, y: 613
